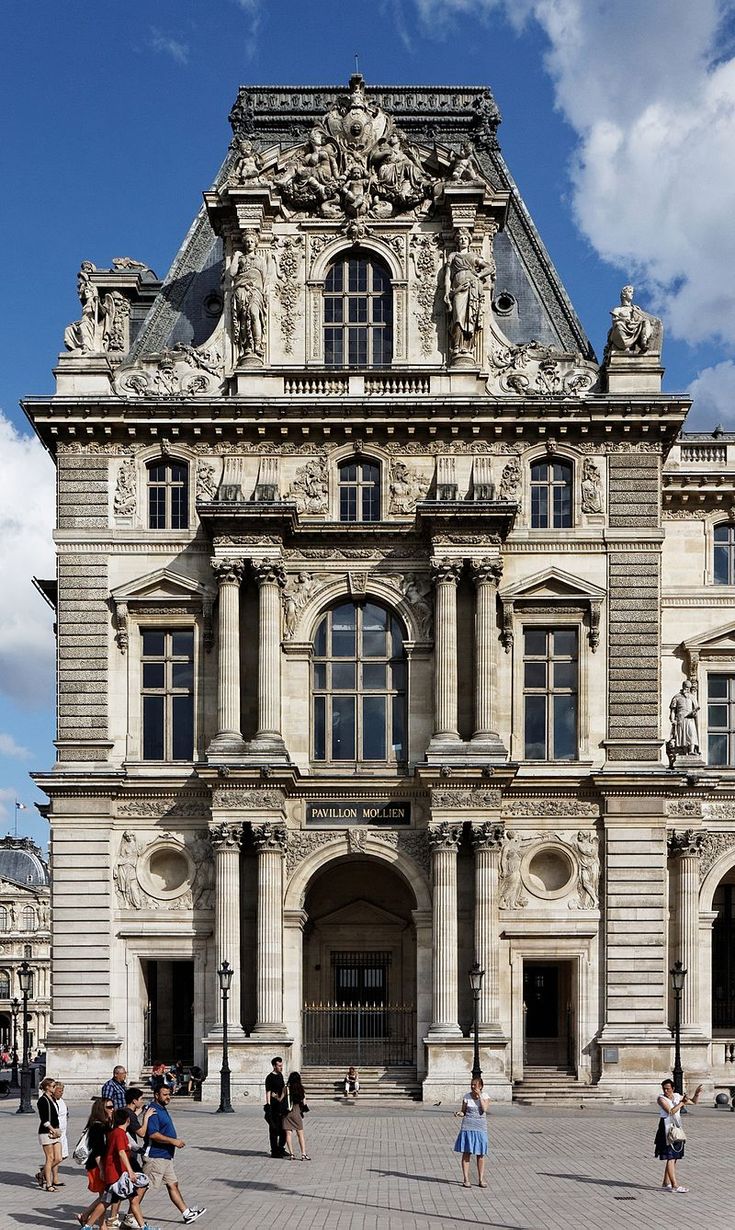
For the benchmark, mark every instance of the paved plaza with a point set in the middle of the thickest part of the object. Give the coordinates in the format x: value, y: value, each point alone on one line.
x: 392, y: 1165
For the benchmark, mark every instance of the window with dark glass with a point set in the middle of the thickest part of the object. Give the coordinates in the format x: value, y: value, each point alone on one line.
x: 359, y: 491
x: 4, y: 985
x: 359, y: 686
x: 168, y: 695
x: 551, y: 495
x: 168, y: 495
x: 550, y: 686
x: 358, y: 313
x: 723, y: 955
x: 725, y: 554
x: 4, y: 919
x: 29, y: 919
x: 721, y: 720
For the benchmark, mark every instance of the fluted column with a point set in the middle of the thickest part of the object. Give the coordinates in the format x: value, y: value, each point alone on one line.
x: 685, y: 847
x: 270, y: 580
x: 487, y: 838
x: 226, y: 841
x: 485, y: 574
x: 229, y: 737
x: 445, y: 575
x: 270, y: 841
x: 444, y: 839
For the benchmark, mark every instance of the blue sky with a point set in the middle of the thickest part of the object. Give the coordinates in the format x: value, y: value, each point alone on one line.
x: 617, y: 126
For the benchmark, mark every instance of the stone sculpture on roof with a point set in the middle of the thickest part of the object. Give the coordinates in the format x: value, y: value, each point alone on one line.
x: 633, y: 331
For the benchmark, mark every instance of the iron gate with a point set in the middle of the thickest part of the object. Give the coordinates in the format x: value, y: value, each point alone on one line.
x: 379, y: 1035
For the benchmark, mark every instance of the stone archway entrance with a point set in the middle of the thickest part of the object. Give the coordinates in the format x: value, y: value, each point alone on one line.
x: 723, y: 955
x: 359, y: 968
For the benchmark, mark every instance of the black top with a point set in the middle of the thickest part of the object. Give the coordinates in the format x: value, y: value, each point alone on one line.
x: 97, y: 1137
x: 274, y: 1083
x: 48, y: 1113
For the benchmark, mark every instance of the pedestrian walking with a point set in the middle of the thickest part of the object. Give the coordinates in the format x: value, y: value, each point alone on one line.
x: 62, y: 1145
x: 295, y: 1107
x: 352, y: 1083
x: 670, y: 1136
x: 163, y: 1143
x: 98, y: 1127
x: 472, y: 1138
x: 49, y: 1134
x: 121, y: 1179
x: 273, y: 1108
x: 114, y: 1089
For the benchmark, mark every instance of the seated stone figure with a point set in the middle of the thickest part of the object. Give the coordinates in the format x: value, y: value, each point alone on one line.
x: 633, y: 332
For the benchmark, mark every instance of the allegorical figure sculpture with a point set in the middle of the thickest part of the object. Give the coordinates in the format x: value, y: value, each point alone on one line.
x: 251, y: 280
x: 125, y: 874
x: 588, y: 859
x: 465, y: 275
x: 633, y: 331
x: 247, y: 165
x: 81, y: 336
x: 510, y: 889
x: 591, y: 487
x: 684, y: 737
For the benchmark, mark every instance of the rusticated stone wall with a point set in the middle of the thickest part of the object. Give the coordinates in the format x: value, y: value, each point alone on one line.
x: 82, y: 490
x: 82, y: 655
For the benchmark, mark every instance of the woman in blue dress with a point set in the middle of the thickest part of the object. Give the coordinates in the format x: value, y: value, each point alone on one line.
x: 472, y: 1138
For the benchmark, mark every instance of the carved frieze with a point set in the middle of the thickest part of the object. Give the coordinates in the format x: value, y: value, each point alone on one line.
x: 125, y: 498
x: 557, y: 808
x: 533, y: 370
x: 686, y: 809
x: 425, y: 253
x: 253, y: 798
x: 713, y: 847
x: 181, y: 372
x: 184, y: 808
x: 470, y: 797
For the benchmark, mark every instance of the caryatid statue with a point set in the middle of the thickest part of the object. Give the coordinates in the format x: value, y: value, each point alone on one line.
x: 252, y: 277
x: 684, y: 737
x: 465, y: 276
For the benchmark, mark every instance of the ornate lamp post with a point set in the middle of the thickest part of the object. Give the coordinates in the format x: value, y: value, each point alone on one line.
x: 224, y: 973
x: 15, y: 1009
x: 678, y: 974
x: 25, y: 978
x: 476, y: 975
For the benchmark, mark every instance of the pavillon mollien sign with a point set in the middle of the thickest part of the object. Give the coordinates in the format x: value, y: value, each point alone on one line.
x: 358, y: 813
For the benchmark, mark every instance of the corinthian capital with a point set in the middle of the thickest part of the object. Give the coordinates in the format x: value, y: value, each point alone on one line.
x: 225, y: 836
x: 486, y: 571
x: 269, y: 572
x: 272, y: 837
x: 444, y: 836
x: 228, y: 571
x: 487, y: 836
x: 446, y: 571
x: 689, y: 841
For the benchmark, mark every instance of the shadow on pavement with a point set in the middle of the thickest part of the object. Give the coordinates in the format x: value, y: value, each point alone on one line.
x: 418, y: 1178
x: 584, y: 1178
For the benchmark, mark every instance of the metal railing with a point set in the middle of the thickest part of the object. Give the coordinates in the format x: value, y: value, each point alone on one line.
x: 382, y: 1035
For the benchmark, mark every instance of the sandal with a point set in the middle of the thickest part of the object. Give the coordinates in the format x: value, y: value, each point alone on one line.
x: 49, y: 1187
x: 482, y: 1184
x: 681, y: 1189
x: 305, y: 1157
x: 467, y: 1185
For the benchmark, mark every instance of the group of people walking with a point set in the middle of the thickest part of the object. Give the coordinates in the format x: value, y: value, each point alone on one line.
x: 127, y: 1148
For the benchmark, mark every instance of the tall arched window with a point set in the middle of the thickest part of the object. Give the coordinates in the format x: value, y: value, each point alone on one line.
x: 4, y: 984
x: 358, y: 312
x: 4, y: 919
x: 359, y: 686
x: 551, y: 495
x: 724, y: 537
x: 29, y: 918
x: 359, y: 491
x: 168, y: 495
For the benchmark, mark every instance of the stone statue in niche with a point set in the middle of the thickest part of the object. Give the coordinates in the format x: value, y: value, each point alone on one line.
x: 252, y: 278
x: 592, y: 498
x: 588, y: 869
x: 125, y: 874
x: 465, y: 276
x: 684, y: 737
x: 510, y: 889
x: 203, y: 887
x: 417, y: 592
x: 248, y: 165
x: 633, y: 332
x: 81, y: 336
x: 125, y: 495
x: 295, y: 595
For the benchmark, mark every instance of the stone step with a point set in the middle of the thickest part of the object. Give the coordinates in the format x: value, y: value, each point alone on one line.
x: 375, y: 1083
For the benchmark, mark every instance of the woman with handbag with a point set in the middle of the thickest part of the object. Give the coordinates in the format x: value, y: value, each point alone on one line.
x: 670, y: 1135
x: 294, y: 1102
x: 49, y: 1134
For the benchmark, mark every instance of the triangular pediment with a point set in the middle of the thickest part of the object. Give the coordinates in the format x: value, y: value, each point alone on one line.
x: 163, y: 585
x: 361, y: 913
x: 11, y: 888
x: 717, y: 640
x: 553, y: 585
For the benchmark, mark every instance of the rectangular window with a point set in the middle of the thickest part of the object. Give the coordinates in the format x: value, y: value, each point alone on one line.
x: 168, y: 695
x: 721, y: 720
x: 550, y: 686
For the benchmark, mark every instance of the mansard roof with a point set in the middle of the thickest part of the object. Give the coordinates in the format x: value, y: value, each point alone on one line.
x: 188, y: 304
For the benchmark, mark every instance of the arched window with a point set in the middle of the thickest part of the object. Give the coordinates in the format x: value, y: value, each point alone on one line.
x: 359, y: 686
x: 4, y: 984
x: 358, y: 312
x: 725, y: 554
x: 551, y: 495
x: 168, y: 495
x: 29, y: 918
x: 4, y: 919
x: 359, y: 491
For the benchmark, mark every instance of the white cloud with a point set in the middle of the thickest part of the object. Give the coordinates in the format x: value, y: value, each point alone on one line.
x: 713, y: 393
x: 252, y: 9
x: 7, y: 803
x: 8, y: 747
x: 27, y: 488
x: 650, y: 90
x: 172, y: 47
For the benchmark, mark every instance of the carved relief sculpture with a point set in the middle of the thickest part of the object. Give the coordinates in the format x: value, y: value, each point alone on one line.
x: 592, y: 497
x: 203, y: 887
x: 125, y: 499
x: 633, y: 332
x: 125, y: 874
x: 310, y: 488
x: 416, y: 589
x: 586, y: 849
x: 464, y: 166
x: 288, y: 289
x: 252, y: 277
x: 510, y: 482
x: 406, y: 486
x: 424, y: 251
x: 115, y: 316
x: 465, y: 275
x: 248, y: 164
x: 206, y: 481
x: 295, y: 596
x: 684, y: 737
x: 510, y: 889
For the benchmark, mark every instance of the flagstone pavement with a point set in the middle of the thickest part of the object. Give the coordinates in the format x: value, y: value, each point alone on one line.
x: 391, y: 1165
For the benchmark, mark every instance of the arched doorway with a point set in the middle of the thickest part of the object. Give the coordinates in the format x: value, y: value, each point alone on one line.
x: 723, y: 954
x: 359, y: 967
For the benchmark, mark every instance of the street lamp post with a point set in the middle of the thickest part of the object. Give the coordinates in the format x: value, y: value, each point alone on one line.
x: 476, y: 975
x: 224, y: 973
x: 15, y: 1009
x: 25, y: 978
x: 678, y: 974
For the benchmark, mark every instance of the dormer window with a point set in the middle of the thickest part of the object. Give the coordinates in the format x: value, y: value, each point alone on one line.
x: 358, y: 312
x: 168, y: 495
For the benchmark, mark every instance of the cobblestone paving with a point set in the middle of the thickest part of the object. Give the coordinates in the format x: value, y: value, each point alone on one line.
x: 392, y: 1166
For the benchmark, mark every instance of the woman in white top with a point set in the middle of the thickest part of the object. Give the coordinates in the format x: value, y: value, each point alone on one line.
x: 62, y: 1148
x: 669, y: 1106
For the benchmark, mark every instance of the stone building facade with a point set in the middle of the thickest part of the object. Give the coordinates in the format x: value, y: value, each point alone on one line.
x: 25, y: 935
x: 374, y: 588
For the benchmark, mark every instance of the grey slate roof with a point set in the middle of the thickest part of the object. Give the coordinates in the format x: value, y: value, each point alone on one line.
x: 21, y: 861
